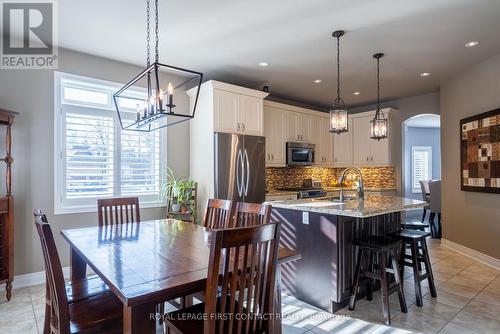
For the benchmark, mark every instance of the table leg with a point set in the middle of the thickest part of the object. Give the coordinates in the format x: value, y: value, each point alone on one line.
x: 277, y: 302
x: 139, y: 319
x: 78, y: 266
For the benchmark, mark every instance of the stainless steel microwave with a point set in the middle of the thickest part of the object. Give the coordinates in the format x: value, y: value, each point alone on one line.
x: 299, y: 154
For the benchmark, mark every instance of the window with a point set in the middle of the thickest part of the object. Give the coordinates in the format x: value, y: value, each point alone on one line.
x: 96, y: 158
x: 421, y: 166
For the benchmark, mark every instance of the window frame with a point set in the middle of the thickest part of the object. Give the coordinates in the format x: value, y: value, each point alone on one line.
x: 428, y: 149
x: 61, y: 204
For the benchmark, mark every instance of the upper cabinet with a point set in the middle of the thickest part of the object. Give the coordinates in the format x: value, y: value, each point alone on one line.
x: 235, y: 109
x: 342, y: 147
x: 284, y: 123
x: 368, y: 151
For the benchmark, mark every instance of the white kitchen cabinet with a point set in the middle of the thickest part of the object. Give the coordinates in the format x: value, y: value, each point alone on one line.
x: 297, y: 127
x: 274, y: 130
x: 342, y: 147
x: 238, y: 113
x: 324, y: 146
x: 368, y: 151
x: 362, y: 141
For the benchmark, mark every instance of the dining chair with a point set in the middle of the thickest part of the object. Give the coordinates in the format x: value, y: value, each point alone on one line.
x: 98, y: 313
x: 424, y: 186
x: 240, y: 285
x: 251, y: 214
x: 116, y: 211
x: 218, y: 213
x: 435, y: 207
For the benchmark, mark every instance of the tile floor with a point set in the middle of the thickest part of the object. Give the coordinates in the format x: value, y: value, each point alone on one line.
x: 468, y: 302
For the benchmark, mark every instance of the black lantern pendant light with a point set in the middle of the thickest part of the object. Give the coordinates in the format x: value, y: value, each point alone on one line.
x: 142, y: 105
x: 379, y: 122
x: 338, y: 112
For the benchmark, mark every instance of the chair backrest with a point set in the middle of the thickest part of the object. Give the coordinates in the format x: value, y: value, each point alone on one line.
x: 424, y: 186
x: 251, y: 214
x: 57, y: 298
x: 435, y: 191
x: 242, y: 268
x: 115, y: 211
x: 218, y: 214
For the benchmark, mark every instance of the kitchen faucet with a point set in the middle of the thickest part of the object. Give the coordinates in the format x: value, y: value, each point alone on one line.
x: 361, y: 190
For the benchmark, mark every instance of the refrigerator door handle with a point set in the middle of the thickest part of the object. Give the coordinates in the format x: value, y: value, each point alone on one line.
x: 239, y: 169
x: 248, y: 172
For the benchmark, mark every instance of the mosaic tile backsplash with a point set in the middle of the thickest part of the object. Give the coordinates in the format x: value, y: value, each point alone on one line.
x: 285, y: 177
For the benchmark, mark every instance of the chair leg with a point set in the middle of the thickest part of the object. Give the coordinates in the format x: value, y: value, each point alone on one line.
x: 428, y: 268
x: 384, y: 288
x: 431, y: 224
x: 46, y: 324
x: 439, y: 226
x: 416, y: 273
x: 402, y: 262
x: 423, y: 216
x: 369, y: 287
x: 357, y: 277
x: 399, y: 282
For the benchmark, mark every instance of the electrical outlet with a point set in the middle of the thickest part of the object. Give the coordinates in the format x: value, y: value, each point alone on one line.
x: 305, y: 218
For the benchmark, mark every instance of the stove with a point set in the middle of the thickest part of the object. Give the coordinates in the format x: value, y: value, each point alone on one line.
x: 305, y: 192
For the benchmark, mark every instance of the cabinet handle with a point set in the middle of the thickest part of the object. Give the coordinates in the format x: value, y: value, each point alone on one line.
x: 243, y: 126
x: 335, y: 159
x: 371, y: 159
x: 272, y: 157
x: 367, y: 158
x: 238, y: 126
x: 268, y: 157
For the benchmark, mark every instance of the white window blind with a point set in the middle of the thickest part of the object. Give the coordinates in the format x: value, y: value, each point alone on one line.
x: 421, y: 162
x: 97, y: 158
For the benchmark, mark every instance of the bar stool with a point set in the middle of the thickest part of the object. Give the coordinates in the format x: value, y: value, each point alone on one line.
x: 415, y: 240
x: 385, y: 248
x: 415, y: 225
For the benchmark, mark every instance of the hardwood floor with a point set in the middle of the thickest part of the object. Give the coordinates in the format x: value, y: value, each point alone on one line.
x: 468, y: 302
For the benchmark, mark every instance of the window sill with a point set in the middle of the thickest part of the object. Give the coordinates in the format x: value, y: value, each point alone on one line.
x: 93, y: 208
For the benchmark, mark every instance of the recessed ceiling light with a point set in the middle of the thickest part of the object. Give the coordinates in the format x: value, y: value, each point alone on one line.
x: 317, y: 81
x: 263, y: 64
x: 356, y: 93
x: 471, y: 44
x: 425, y: 74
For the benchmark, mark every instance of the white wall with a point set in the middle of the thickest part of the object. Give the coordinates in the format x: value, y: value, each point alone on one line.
x: 31, y: 93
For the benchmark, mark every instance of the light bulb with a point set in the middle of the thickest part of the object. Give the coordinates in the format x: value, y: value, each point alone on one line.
x: 170, y: 89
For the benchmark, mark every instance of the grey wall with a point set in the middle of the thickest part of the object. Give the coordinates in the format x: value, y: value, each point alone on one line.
x: 31, y: 93
x: 421, y: 137
x: 408, y: 107
x: 470, y: 219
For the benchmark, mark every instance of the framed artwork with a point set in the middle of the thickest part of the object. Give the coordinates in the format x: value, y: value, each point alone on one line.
x: 480, y: 152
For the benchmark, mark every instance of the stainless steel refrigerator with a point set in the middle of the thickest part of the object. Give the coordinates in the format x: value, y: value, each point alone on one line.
x: 240, y: 167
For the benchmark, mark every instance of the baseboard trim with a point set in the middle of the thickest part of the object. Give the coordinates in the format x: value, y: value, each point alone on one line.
x: 473, y: 254
x: 32, y: 279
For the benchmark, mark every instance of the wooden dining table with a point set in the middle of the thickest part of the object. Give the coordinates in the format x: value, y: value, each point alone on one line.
x: 150, y: 262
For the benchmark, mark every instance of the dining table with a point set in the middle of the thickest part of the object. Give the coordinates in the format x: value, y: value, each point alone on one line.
x: 151, y: 262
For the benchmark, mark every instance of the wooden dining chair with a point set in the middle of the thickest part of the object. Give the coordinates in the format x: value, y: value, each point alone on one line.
x: 115, y: 211
x: 218, y: 213
x: 251, y: 214
x: 240, y: 285
x: 100, y: 313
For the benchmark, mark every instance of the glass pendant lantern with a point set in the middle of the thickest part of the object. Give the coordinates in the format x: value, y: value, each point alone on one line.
x: 161, y: 95
x: 338, y: 113
x: 378, y: 128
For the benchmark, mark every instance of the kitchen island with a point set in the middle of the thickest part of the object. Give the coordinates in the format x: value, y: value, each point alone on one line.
x: 322, y: 231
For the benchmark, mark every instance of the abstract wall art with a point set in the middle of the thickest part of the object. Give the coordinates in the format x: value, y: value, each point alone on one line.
x: 480, y: 152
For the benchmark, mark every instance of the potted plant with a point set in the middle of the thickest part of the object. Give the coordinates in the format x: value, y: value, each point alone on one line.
x: 177, y: 192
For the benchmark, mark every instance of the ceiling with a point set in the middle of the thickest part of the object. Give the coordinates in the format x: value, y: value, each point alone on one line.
x: 424, y: 121
x: 226, y: 39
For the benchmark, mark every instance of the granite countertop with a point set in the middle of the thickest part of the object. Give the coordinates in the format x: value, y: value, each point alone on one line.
x: 372, y: 205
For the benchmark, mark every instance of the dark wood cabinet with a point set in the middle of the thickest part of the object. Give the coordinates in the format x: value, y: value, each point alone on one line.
x: 7, y: 209
x: 323, y: 276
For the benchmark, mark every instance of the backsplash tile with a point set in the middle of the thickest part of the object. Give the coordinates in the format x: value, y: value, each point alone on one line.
x: 284, y: 177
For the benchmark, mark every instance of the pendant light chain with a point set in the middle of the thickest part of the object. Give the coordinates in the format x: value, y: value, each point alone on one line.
x: 338, y: 68
x: 157, y: 39
x: 148, y: 29
x: 378, y: 86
